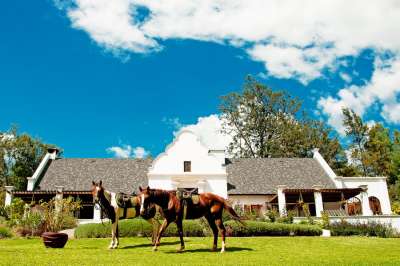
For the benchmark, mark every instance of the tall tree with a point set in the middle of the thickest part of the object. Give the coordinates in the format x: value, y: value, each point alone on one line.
x: 20, y: 156
x: 357, y: 131
x: 266, y: 123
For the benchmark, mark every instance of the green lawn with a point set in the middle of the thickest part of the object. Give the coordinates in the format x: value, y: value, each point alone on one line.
x: 240, y: 251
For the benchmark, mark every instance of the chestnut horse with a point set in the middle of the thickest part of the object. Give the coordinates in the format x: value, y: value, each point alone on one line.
x: 108, y: 204
x: 210, y: 206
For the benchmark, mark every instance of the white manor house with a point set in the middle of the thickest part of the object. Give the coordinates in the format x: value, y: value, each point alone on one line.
x: 253, y: 184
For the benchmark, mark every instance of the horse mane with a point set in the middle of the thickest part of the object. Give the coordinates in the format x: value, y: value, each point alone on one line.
x: 160, y: 196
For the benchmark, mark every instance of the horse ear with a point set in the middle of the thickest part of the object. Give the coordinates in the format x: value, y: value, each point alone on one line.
x: 100, y: 183
x: 140, y: 189
x: 93, y: 183
x: 148, y: 188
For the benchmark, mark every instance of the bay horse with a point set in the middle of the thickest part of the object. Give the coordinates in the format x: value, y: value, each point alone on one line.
x: 108, y: 204
x: 209, y: 206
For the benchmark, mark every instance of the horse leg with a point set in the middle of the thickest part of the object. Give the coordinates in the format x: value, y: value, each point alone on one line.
x: 113, y: 233
x: 221, y: 227
x: 160, y: 232
x: 180, y: 232
x: 214, y: 229
x: 116, y: 242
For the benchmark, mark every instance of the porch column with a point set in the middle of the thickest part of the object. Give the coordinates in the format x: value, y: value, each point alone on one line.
x: 59, y: 197
x: 281, y: 200
x: 96, y: 212
x: 319, y: 206
x: 9, y: 195
x: 366, y: 210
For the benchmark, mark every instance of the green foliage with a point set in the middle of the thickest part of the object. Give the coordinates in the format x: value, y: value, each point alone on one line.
x: 15, y: 212
x: 266, y: 123
x: 5, y: 232
x: 286, y: 219
x: 139, y: 227
x: 272, y: 215
x: 20, y: 155
x: 325, y: 220
x: 58, y: 213
x: 254, y: 228
x: 344, y: 228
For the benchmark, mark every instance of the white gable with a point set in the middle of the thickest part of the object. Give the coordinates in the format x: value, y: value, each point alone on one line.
x: 207, y: 167
x: 187, y: 147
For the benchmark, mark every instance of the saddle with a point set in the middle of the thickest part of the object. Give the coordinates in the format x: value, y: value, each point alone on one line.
x: 188, y: 196
x: 126, y: 201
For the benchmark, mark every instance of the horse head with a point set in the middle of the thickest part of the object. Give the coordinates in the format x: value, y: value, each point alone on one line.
x: 97, y: 191
x: 144, y: 198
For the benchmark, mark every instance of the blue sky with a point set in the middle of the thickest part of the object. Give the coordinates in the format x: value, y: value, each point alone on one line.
x: 86, y: 81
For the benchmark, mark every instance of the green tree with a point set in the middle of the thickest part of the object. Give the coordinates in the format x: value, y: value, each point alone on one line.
x: 357, y: 131
x: 20, y: 156
x: 265, y: 123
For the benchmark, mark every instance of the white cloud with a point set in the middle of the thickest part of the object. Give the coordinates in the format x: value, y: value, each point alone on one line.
x: 208, y: 129
x: 294, y: 39
x: 127, y: 151
x: 383, y: 88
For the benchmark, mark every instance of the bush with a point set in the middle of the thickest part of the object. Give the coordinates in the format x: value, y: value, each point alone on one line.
x: 344, y: 228
x: 139, y: 227
x: 253, y: 228
x: 4, y: 232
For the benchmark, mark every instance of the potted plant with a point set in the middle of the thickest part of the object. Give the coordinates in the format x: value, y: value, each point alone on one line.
x: 55, y: 213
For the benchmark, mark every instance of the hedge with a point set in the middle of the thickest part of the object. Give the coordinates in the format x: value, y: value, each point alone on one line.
x: 139, y: 227
x: 254, y: 228
x: 369, y: 229
x: 5, y: 232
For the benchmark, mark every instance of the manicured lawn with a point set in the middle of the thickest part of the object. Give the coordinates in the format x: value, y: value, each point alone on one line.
x: 240, y: 251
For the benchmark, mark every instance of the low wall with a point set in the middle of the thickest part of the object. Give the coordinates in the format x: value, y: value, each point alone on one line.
x: 392, y: 220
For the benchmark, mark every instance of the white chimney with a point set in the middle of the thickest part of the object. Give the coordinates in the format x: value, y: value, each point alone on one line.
x: 50, y: 155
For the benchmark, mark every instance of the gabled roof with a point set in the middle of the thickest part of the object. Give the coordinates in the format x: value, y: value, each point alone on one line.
x: 263, y: 175
x: 118, y: 175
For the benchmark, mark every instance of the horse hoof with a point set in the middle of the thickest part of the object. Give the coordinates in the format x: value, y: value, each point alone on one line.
x: 180, y: 250
x: 214, y: 249
x: 222, y: 250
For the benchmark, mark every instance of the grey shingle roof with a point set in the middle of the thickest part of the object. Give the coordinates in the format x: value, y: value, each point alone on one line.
x: 245, y: 176
x: 263, y: 175
x: 118, y: 175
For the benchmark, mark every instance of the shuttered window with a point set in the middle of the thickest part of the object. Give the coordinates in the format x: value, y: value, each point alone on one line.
x: 187, y: 166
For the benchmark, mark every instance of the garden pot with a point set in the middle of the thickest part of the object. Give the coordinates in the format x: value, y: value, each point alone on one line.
x: 54, y: 240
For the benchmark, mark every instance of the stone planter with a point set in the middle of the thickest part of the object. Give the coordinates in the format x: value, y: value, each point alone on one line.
x: 54, y: 240
x: 326, y: 233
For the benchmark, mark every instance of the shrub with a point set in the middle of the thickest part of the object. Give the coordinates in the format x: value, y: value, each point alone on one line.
x: 253, y: 228
x: 272, y: 215
x: 138, y: 227
x: 344, y: 228
x: 5, y: 232
x: 200, y: 228
x: 58, y: 213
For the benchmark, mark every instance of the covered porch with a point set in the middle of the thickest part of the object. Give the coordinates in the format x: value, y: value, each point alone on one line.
x: 313, y: 201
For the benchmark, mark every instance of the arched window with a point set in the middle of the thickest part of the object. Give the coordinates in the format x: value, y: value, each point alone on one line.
x: 375, y: 205
x: 353, y: 206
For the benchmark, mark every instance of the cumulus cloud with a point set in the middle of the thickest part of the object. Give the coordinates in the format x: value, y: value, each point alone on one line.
x: 383, y: 88
x: 294, y: 39
x: 127, y: 151
x: 208, y: 129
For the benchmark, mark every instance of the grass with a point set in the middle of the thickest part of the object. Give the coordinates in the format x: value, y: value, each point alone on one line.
x: 240, y: 251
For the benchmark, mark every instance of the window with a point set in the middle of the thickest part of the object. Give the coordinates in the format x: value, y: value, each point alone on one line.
x: 187, y: 166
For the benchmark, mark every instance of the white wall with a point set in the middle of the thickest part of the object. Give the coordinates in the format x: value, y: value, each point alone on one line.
x: 376, y: 187
x: 207, y: 170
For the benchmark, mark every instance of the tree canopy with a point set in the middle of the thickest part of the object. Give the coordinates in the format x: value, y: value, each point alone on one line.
x: 266, y: 123
x: 20, y: 155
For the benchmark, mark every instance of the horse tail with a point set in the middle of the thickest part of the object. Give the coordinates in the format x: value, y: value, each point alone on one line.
x: 232, y: 212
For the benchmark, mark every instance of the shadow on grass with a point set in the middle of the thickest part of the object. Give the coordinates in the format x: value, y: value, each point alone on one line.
x: 151, y: 245
x: 208, y: 250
